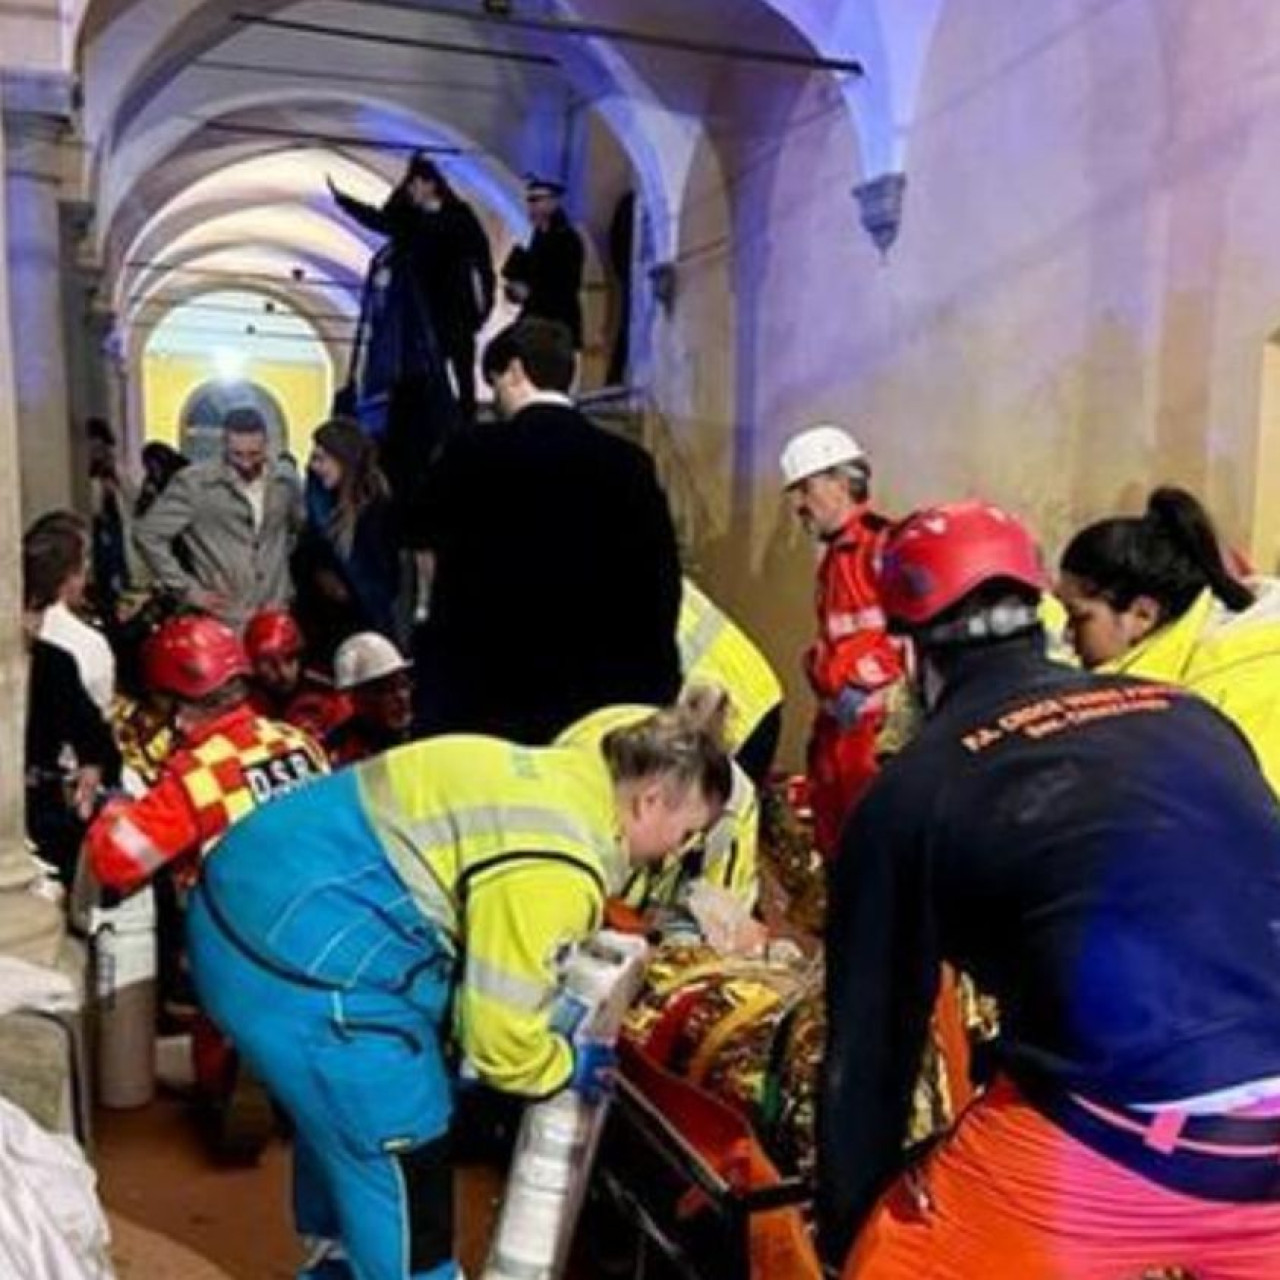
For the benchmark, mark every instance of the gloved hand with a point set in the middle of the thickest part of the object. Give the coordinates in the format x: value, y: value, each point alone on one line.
x: 847, y: 706
x: 594, y: 1067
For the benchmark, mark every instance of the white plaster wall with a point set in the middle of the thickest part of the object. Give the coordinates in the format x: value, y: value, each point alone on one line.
x: 1013, y: 341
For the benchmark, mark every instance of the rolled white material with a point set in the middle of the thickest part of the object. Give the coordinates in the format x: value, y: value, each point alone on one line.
x: 556, y: 1146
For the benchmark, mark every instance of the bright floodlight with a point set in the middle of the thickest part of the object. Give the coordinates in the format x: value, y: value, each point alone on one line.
x: 229, y: 363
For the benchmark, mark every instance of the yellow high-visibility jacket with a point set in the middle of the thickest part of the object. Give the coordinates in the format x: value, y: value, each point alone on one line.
x: 512, y: 852
x: 1053, y: 618
x: 716, y: 650
x: 1232, y: 660
x: 727, y: 856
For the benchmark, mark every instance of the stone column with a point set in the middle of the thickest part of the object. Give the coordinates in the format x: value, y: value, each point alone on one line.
x: 30, y: 927
x: 37, y: 116
x: 86, y: 326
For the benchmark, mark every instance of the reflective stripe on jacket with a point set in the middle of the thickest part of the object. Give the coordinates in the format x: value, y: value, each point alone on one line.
x: 728, y: 855
x: 511, y: 852
x: 853, y: 647
x: 713, y: 648
x: 1232, y: 660
x: 208, y: 783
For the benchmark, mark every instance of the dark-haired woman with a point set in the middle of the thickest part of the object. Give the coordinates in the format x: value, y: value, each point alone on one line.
x: 346, y: 568
x: 1153, y: 596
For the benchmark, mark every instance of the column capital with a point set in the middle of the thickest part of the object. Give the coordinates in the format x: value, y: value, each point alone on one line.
x: 51, y: 94
x: 39, y: 116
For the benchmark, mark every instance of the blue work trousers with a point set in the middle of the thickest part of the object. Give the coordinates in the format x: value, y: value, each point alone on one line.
x: 309, y: 952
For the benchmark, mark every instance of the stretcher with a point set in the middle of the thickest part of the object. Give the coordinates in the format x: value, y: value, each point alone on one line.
x: 703, y: 1200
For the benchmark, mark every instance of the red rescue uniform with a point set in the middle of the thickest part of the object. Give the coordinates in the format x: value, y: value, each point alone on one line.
x: 211, y: 780
x: 315, y: 707
x: 850, y: 666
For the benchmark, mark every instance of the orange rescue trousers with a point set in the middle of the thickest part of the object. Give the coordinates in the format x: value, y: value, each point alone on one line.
x: 1010, y: 1196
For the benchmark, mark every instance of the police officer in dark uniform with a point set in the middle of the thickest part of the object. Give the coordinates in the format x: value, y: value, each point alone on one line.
x: 1102, y: 854
x: 545, y: 277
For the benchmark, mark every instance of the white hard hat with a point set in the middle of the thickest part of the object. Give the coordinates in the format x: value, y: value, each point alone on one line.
x: 365, y: 657
x: 818, y: 449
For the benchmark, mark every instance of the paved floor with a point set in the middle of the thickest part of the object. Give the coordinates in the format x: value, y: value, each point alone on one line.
x: 154, y: 1171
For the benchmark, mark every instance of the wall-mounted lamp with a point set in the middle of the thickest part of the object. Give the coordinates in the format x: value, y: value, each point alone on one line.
x: 880, y: 208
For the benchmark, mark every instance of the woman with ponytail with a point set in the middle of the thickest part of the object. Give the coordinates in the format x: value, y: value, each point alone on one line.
x: 1154, y: 596
x: 726, y: 856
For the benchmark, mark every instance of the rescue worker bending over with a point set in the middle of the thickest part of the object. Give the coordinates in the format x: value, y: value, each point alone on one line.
x: 852, y: 663
x: 1103, y: 856
x: 725, y: 855
x: 337, y: 930
x: 1153, y: 596
x: 227, y: 759
x: 715, y: 650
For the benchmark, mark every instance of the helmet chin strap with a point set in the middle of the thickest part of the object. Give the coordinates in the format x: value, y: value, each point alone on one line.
x: 929, y: 682
x: 996, y: 623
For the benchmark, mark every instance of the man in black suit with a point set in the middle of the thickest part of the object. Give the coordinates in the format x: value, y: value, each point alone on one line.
x: 556, y: 578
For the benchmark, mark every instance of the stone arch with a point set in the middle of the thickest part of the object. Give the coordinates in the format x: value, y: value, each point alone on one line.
x: 479, y: 175
x: 307, y: 305
x: 200, y: 425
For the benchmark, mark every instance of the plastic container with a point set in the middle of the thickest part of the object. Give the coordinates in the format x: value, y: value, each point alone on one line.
x: 123, y: 941
x: 556, y: 1145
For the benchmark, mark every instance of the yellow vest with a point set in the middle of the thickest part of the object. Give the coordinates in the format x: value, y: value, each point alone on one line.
x: 511, y: 851
x: 1232, y: 660
x: 728, y: 855
x: 1053, y: 618
x: 713, y: 649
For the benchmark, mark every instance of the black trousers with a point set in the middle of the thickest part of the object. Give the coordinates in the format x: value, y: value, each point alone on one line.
x: 459, y: 350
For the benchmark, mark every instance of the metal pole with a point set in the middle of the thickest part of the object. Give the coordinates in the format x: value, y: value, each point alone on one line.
x: 403, y: 42
x: 303, y: 134
x: 589, y: 31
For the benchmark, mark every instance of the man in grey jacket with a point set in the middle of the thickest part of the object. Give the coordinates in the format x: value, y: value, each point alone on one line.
x: 237, y: 518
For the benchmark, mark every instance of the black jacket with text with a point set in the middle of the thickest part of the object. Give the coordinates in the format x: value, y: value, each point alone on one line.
x: 1101, y: 854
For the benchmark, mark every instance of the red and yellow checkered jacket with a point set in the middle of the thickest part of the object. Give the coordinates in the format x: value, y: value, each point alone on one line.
x: 213, y: 778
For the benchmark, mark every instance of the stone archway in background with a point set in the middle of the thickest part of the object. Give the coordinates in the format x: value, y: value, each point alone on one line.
x: 200, y: 432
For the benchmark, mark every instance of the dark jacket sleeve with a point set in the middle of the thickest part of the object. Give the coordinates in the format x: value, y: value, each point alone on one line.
x: 475, y: 246
x: 398, y: 218
x: 882, y: 977
x: 367, y: 215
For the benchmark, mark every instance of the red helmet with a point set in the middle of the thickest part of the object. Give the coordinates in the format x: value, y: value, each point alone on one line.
x: 272, y: 633
x: 192, y: 657
x: 938, y: 555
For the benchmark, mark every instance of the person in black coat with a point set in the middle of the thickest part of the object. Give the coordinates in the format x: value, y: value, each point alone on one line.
x: 544, y: 277
x: 556, y: 582
x: 70, y: 754
x: 451, y: 259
